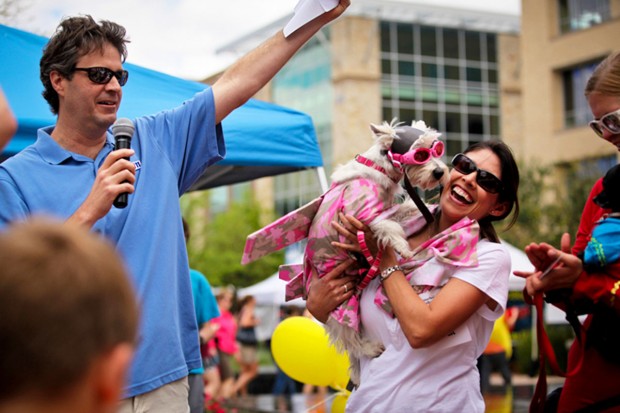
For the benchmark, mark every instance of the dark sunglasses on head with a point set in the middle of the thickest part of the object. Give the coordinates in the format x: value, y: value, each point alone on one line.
x: 102, y: 75
x: 610, y: 121
x: 485, y: 179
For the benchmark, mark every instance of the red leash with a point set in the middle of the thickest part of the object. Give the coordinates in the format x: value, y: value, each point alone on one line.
x: 545, y: 354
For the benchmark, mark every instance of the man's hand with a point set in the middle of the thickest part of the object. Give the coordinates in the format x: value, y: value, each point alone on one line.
x: 115, y: 176
x: 337, y: 11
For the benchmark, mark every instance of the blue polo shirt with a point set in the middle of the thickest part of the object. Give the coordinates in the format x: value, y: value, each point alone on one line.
x: 172, y: 149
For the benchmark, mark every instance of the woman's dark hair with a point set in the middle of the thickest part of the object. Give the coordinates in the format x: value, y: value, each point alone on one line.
x: 76, y: 37
x: 510, y: 182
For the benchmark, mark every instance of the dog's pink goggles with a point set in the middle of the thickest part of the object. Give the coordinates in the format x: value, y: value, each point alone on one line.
x: 420, y: 156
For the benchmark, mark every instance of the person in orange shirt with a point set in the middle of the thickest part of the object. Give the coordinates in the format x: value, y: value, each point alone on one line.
x: 497, y: 354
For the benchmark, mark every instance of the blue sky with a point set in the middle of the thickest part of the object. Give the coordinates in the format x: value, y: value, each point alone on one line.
x: 179, y: 37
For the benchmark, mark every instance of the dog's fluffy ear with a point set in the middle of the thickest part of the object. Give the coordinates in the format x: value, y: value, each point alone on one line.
x: 384, y: 134
x: 420, y: 124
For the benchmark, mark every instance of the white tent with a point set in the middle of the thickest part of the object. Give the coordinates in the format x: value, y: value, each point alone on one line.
x: 520, y: 262
x: 269, y: 295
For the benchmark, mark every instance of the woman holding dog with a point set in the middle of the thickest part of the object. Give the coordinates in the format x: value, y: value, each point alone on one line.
x: 595, y: 364
x: 434, y: 313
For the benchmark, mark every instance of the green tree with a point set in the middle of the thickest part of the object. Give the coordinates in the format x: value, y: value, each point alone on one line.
x: 547, y: 209
x: 217, y: 242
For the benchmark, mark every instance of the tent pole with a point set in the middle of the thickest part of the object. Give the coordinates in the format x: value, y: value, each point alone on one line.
x: 320, y: 171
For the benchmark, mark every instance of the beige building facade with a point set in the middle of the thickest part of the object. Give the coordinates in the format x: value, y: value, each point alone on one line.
x: 472, y: 75
x: 550, y: 57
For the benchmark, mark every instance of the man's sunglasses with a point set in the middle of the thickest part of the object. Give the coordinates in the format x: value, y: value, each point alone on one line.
x: 610, y: 121
x: 485, y: 179
x: 102, y: 75
x: 420, y: 156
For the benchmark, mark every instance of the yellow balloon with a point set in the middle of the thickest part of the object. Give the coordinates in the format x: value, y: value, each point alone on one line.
x: 341, y: 370
x: 301, y: 349
x: 340, y: 402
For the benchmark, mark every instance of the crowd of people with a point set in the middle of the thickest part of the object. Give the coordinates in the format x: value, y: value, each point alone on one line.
x: 133, y: 329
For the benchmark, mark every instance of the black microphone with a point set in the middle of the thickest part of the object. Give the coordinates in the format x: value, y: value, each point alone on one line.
x: 123, y: 131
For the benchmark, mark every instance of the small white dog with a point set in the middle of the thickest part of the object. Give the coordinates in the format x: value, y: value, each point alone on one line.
x: 366, y: 187
x: 414, y: 151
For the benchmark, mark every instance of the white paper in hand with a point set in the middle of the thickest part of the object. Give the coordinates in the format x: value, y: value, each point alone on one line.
x: 307, y: 10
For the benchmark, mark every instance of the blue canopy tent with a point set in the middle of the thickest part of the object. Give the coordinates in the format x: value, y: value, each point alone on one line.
x: 262, y: 139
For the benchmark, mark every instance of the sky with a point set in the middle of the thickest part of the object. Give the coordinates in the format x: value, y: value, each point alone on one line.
x: 180, y: 37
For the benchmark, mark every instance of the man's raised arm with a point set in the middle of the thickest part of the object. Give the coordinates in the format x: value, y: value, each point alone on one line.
x: 251, y: 72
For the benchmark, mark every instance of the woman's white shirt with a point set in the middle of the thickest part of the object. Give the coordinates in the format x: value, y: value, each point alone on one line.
x: 442, y: 377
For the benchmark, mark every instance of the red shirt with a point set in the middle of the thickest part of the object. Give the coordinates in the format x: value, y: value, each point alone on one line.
x: 598, y: 287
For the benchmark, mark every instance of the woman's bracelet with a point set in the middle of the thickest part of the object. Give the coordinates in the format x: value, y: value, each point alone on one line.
x: 389, y: 271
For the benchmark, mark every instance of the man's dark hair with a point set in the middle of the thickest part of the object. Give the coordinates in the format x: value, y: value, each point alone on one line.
x: 76, y: 37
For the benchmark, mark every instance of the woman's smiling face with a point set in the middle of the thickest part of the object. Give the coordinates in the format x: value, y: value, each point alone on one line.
x: 463, y: 197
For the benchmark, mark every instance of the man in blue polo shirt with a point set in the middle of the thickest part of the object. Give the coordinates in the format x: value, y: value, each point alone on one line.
x: 72, y: 171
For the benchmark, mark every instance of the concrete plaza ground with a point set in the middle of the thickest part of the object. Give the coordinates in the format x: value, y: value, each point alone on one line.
x: 500, y: 399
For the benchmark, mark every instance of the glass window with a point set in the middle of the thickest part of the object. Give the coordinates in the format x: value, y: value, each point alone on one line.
x: 494, y: 123
x: 450, y: 43
x: 386, y: 90
x: 451, y: 84
x: 453, y: 122
x: 474, y: 124
x: 386, y: 66
x: 474, y: 97
x: 429, y: 70
x: 472, y: 46
x: 473, y: 74
x: 428, y: 41
x: 451, y: 72
x: 405, y: 38
x: 406, y: 68
x: 406, y: 115
x: 452, y: 95
x: 454, y: 145
x: 576, y: 109
x: 407, y: 93
x: 581, y: 14
x: 431, y: 118
x: 430, y: 94
x: 385, y: 36
x: 492, y: 47
x: 388, y: 112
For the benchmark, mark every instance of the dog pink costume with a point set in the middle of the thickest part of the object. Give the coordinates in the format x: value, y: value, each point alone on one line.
x: 365, y: 188
x: 360, y: 198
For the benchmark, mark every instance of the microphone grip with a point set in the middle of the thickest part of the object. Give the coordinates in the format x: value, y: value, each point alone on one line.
x: 122, y: 142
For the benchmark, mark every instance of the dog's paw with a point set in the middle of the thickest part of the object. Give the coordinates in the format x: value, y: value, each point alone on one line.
x: 405, y: 253
x: 401, y: 246
x: 373, y: 348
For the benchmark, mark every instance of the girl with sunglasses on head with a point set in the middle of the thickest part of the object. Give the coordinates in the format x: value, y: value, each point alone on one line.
x: 434, y: 313
x: 593, y: 364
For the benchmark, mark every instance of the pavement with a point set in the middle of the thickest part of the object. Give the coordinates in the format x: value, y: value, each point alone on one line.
x: 499, y: 399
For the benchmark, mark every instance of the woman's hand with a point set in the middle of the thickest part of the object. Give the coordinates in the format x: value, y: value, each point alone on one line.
x: 563, y: 274
x: 328, y: 292
x: 348, y: 228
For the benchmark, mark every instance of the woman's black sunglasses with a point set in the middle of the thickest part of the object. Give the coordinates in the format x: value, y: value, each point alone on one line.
x: 102, y: 75
x: 485, y: 179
